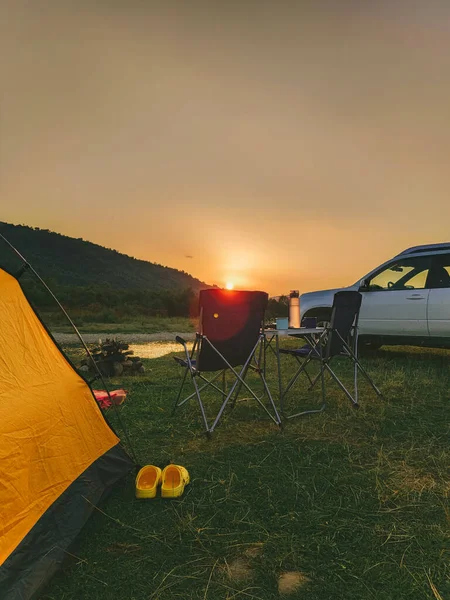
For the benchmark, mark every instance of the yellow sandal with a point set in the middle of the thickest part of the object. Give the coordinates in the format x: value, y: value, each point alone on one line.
x: 174, y: 478
x: 147, y: 481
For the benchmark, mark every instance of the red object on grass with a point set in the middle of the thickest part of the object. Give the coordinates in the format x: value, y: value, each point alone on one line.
x: 115, y: 396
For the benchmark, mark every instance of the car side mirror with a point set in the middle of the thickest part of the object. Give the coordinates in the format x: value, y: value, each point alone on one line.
x: 364, y: 285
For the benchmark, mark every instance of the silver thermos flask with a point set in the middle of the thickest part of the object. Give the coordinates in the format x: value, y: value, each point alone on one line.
x: 294, y: 309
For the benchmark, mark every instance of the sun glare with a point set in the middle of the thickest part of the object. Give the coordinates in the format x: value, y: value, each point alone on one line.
x: 229, y: 285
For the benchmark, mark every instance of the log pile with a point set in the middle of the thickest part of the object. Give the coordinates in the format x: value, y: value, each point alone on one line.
x: 112, y: 357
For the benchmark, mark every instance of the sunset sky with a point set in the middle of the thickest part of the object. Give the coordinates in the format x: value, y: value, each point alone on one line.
x: 277, y: 145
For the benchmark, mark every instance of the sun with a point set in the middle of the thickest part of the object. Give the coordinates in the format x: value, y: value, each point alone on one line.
x: 229, y: 285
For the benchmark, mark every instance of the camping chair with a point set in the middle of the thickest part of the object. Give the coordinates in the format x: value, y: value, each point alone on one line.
x: 231, y: 339
x: 340, y: 338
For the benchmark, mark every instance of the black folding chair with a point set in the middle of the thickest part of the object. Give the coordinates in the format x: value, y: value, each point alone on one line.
x: 340, y: 338
x: 231, y: 339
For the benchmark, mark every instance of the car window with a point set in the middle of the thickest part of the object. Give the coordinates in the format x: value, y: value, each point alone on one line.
x: 440, y: 271
x: 403, y: 274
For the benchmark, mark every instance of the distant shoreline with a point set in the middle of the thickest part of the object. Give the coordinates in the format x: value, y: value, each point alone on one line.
x: 128, y: 338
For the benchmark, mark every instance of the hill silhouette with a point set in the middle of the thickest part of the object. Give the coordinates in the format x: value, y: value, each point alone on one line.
x: 96, y: 284
x: 73, y: 262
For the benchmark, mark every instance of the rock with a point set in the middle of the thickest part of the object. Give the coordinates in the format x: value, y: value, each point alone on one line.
x: 118, y: 368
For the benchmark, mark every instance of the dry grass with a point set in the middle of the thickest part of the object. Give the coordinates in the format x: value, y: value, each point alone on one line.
x: 238, y: 569
x: 410, y: 479
x: 290, y: 582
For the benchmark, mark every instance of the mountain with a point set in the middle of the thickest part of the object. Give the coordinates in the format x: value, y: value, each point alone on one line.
x: 68, y: 262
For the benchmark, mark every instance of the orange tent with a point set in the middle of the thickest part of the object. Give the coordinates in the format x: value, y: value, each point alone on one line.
x: 58, y: 455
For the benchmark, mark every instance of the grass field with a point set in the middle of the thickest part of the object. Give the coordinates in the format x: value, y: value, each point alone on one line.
x: 342, y: 505
x: 142, y: 324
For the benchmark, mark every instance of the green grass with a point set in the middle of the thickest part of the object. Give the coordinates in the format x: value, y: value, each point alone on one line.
x: 142, y: 324
x: 355, y: 501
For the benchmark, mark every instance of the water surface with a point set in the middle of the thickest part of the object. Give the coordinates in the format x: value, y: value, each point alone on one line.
x: 157, y: 349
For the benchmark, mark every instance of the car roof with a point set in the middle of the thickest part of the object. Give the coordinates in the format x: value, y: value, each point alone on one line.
x: 430, y: 248
x: 425, y: 248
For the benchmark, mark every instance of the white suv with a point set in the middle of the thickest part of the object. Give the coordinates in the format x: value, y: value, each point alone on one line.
x: 405, y: 301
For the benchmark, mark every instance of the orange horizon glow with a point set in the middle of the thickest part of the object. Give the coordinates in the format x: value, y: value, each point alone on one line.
x: 287, y: 148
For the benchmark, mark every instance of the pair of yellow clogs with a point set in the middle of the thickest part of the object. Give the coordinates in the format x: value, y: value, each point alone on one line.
x: 172, y: 479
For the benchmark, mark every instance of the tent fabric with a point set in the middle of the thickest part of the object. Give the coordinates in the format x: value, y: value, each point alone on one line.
x: 43, y: 549
x: 51, y: 429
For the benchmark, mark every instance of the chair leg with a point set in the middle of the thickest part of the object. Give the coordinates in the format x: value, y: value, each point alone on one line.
x: 200, y: 403
x: 353, y: 354
x: 238, y: 384
x: 261, y: 373
x: 240, y: 381
x: 176, y: 405
x: 353, y: 399
x: 314, y: 381
x: 320, y: 376
x: 293, y: 380
x: 261, y: 366
x: 237, y: 391
x: 208, y: 383
x: 301, y: 370
x: 271, y: 401
x: 234, y: 391
x: 222, y: 408
x: 229, y: 396
x: 369, y: 379
x: 196, y: 394
x: 341, y: 385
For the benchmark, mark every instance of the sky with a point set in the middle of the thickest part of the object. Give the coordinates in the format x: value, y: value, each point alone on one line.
x: 278, y: 145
